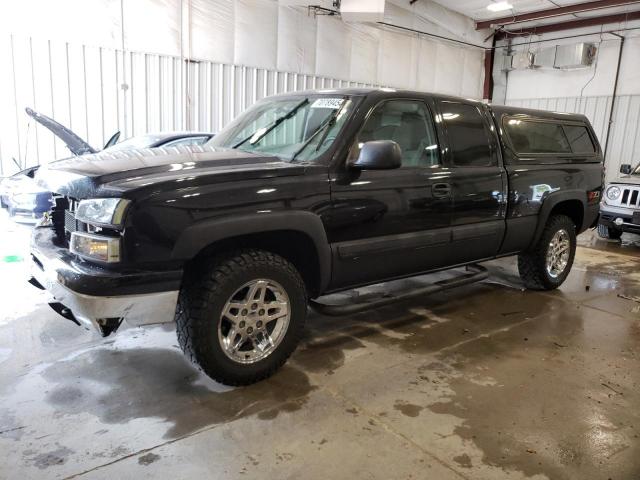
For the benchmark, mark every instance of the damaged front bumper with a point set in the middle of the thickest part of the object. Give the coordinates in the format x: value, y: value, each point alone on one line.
x: 97, y: 297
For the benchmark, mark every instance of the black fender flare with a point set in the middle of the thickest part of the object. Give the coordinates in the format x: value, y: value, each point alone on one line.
x: 551, y: 201
x: 199, y: 235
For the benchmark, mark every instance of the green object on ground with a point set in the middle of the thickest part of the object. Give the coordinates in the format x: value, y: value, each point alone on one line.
x: 12, y: 258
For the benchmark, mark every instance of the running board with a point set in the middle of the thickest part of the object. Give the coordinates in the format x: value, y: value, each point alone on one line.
x: 475, y: 273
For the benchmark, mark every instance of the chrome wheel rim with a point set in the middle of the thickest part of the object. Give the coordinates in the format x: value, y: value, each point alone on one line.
x: 558, y: 253
x: 254, y: 320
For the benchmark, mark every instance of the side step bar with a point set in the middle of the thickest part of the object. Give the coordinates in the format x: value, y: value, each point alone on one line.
x: 475, y: 273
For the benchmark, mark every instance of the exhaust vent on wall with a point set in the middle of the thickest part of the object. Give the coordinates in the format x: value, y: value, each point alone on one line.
x: 545, y: 58
x: 522, y: 60
x: 579, y: 55
x: 562, y: 57
x: 362, y: 10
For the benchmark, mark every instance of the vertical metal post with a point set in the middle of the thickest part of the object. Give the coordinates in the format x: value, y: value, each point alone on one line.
x: 124, y: 85
x: 613, y: 98
x: 15, y: 98
x: 86, y: 97
x: 102, y: 96
x: 33, y: 91
x: 66, y: 59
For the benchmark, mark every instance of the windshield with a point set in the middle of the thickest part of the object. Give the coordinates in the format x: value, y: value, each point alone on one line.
x: 636, y: 171
x: 296, y: 128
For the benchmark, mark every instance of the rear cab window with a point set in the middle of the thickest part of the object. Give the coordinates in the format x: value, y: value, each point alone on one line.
x: 531, y: 137
x: 469, y: 140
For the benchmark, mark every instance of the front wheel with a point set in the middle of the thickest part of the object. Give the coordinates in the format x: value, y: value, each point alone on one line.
x: 548, y: 263
x: 609, y: 232
x: 240, y: 317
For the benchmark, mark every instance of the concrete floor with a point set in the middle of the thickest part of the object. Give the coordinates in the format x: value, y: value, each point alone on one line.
x: 487, y: 381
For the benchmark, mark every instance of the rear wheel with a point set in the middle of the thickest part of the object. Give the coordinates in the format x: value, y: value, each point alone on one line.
x: 548, y: 263
x: 609, y: 232
x: 241, y: 316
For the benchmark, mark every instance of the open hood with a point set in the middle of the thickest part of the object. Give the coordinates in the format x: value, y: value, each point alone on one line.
x: 76, y: 144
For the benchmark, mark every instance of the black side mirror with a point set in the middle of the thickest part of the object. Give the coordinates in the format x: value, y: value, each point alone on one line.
x: 378, y: 155
x: 625, y: 169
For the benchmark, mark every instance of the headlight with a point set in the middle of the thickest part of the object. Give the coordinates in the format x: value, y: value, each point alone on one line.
x: 613, y: 193
x: 103, y: 211
x: 96, y: 247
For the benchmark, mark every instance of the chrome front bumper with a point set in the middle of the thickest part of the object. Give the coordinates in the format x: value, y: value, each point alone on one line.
x: 96, y: 310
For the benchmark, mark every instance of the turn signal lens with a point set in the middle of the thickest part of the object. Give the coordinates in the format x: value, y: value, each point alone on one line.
x: 96, y: 247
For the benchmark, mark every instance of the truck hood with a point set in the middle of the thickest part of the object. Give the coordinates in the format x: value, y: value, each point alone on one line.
x: 125, y: 173
x: 76, y: 144
x: 627, y: 180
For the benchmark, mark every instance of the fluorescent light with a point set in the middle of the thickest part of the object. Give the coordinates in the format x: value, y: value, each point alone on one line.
x: 499, y: 6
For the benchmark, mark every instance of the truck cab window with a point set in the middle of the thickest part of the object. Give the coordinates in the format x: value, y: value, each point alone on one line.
x: 468, y: 138
x: 408, y: 123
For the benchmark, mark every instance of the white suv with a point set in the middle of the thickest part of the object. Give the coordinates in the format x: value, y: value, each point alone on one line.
x: 620, y: 206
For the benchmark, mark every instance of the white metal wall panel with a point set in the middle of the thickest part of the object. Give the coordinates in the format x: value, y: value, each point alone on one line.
x: 256, y: 33
x: 296, y: 40
x: 334, y: 58
x: 212, y: 28
x: 82, y: 88
x: 366, y: 44
x: 393, y: 67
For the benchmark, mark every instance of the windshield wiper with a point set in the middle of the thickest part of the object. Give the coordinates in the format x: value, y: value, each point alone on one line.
x: 276, y: 122
x: 326, y: 126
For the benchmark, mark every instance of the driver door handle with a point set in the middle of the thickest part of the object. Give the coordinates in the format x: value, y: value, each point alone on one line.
x: 441, y: 190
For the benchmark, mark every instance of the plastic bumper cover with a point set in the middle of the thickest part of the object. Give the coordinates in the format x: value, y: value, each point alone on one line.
x: 150, y: 297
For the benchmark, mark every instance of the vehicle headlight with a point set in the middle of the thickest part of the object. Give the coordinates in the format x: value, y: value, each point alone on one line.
x: 613, y: 193
x: 96, y: 247
x: 102, y: 211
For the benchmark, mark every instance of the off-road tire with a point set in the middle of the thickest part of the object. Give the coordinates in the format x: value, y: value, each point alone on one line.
x: 609, y: 232
x: 206, y: 289
x: 532, y: 264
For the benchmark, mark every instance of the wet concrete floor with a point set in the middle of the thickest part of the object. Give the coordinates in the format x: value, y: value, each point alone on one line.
x: 484, y: 382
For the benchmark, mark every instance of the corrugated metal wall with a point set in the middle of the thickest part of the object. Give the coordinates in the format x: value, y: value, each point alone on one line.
x: 98, y: 91
x: 624, y: 140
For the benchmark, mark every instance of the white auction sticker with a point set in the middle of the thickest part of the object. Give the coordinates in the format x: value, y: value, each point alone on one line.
x: 334, y: 103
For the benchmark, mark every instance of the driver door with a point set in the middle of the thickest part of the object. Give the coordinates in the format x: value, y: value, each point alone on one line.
x: 391, y: 223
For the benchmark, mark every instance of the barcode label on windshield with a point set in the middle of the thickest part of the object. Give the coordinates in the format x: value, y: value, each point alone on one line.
x: 334, y: 103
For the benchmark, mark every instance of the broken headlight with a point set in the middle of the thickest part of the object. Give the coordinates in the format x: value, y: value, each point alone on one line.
x: 102, y: 211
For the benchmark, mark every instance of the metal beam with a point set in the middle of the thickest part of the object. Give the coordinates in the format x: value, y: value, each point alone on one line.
x: 489, y: 55
x: 557, y: 27
x: 554, y: 12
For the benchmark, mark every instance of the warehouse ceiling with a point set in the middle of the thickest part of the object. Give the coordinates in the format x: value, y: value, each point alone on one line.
x: 477, y: 9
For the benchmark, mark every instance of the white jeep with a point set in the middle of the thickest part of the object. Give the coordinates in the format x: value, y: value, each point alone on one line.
x: 620, y: 206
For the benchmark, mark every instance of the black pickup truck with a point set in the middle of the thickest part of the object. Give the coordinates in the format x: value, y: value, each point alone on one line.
x: 303, y: 195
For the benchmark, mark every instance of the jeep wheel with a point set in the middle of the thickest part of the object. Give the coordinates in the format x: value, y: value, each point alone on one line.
x: 609, y: 232
x: 241, y: 316
x: 548, y: 263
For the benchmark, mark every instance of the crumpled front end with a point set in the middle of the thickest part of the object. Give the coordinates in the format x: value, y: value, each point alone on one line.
x: 97, y: 297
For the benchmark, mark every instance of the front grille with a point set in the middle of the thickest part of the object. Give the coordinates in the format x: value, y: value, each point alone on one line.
x: 64, y: 220
x: 630, y: 197
x: 70, y: 222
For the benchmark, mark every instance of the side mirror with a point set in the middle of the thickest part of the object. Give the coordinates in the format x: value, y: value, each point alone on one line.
x: 378, y: 155
x: 625, y: 169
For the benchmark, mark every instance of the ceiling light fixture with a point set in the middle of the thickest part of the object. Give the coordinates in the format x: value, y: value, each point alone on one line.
x: 499, y: 6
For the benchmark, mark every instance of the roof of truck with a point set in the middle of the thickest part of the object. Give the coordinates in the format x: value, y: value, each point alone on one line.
x: 391, y: 92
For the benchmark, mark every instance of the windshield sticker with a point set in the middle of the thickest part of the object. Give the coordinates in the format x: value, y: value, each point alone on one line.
x: 333, y: 103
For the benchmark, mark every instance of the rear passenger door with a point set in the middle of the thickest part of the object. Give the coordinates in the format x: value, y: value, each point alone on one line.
x: 477, y: 180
